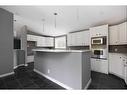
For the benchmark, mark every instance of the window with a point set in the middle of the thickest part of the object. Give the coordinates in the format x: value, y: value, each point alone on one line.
x: 60, y: 42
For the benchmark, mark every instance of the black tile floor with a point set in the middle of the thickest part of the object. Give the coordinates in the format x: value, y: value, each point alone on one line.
x: 26, y: 78
x: 104, y: 81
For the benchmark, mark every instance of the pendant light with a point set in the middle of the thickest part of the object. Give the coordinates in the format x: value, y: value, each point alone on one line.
x: 55, y: 14
x: 43, y: 20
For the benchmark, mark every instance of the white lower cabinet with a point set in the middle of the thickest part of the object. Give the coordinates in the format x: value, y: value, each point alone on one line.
x: 99, y: 65
x: 125, y: 73
x: 117, y: 64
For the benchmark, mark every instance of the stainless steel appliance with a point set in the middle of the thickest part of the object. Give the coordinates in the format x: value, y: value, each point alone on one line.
x: 98, y: 40
x: 99, y: 53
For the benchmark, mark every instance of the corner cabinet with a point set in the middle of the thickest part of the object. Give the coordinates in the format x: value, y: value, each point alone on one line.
x: 45, y: 42
x: 116, y: 64
x: 118, y: 34
x: 81, y: 38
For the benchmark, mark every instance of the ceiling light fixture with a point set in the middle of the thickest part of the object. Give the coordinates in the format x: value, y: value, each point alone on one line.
x: 55, y: 14
x: 43, y: 20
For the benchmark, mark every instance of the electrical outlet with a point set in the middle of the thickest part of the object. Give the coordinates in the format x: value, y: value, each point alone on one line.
x: 26, y: 64
x: 48, y: 71
x: 116, y: 49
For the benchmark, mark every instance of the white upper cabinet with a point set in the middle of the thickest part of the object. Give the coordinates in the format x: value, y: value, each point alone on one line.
x: 86, y: 38
x: 78, y: 39
x: 49, y: 41
x: 71, y: 39
x: 31, y: 37
x: 60, y: 42
x: 123, y: 33
x: 118, y: 34
x: 45, y: 42
x: 99, y: 31
x: 41, y: 41
x: 113, y: 35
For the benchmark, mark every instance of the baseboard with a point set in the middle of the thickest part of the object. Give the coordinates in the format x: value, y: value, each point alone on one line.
x: 88, y: 83
x: 117, y: 75
x: 100, y: 72
x: 7, y: 74
x: 55, y: 81
x: 19, y: 66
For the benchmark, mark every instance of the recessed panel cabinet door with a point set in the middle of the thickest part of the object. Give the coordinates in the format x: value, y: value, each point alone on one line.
x: 116, y: 65
x: 78, y: 39
x: 113, y: 35
x: 99, y: 65
x: 123, y: 33
x: 85, y: 38
x: 68, y: 40
x: 99, y: 31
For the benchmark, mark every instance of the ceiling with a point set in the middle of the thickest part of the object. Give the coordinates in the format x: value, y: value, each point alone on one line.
x: 41, y: 19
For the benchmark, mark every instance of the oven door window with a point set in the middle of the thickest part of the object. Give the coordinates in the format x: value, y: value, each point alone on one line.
x: 98, y: 52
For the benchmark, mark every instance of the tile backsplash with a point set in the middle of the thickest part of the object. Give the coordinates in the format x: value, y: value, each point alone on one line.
x: 118, y: 48
x: 79, y: 47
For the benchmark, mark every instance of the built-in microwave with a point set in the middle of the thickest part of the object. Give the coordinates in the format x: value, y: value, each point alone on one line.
x: 98, y: 41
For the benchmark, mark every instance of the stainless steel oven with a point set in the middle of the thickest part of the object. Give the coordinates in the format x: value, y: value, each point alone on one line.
x: 99, y: 53
x: 98, y: 40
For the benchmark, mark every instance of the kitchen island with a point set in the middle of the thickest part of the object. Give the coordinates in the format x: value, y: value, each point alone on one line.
x: 68, y: 68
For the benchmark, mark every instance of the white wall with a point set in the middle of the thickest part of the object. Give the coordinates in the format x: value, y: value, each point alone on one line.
x: 35, y: 26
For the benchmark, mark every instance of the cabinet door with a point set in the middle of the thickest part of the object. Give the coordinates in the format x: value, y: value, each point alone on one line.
x: 103, y: 66
x: 28, y: 37
x: 40, y: 41
x: 94, y: 64
x: 78, y: 39
x: 31, y: 38
x: 113, y: 35
x: 85, y: 38
x: 69, y: 40
x: 35, y: 38
x: 116, y: 65
x: 73, y: 39
x: 123, y: 33
x: 49, y: 42
x: 125, y: 71
x: 99, y: 31
x: 99, y: 65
